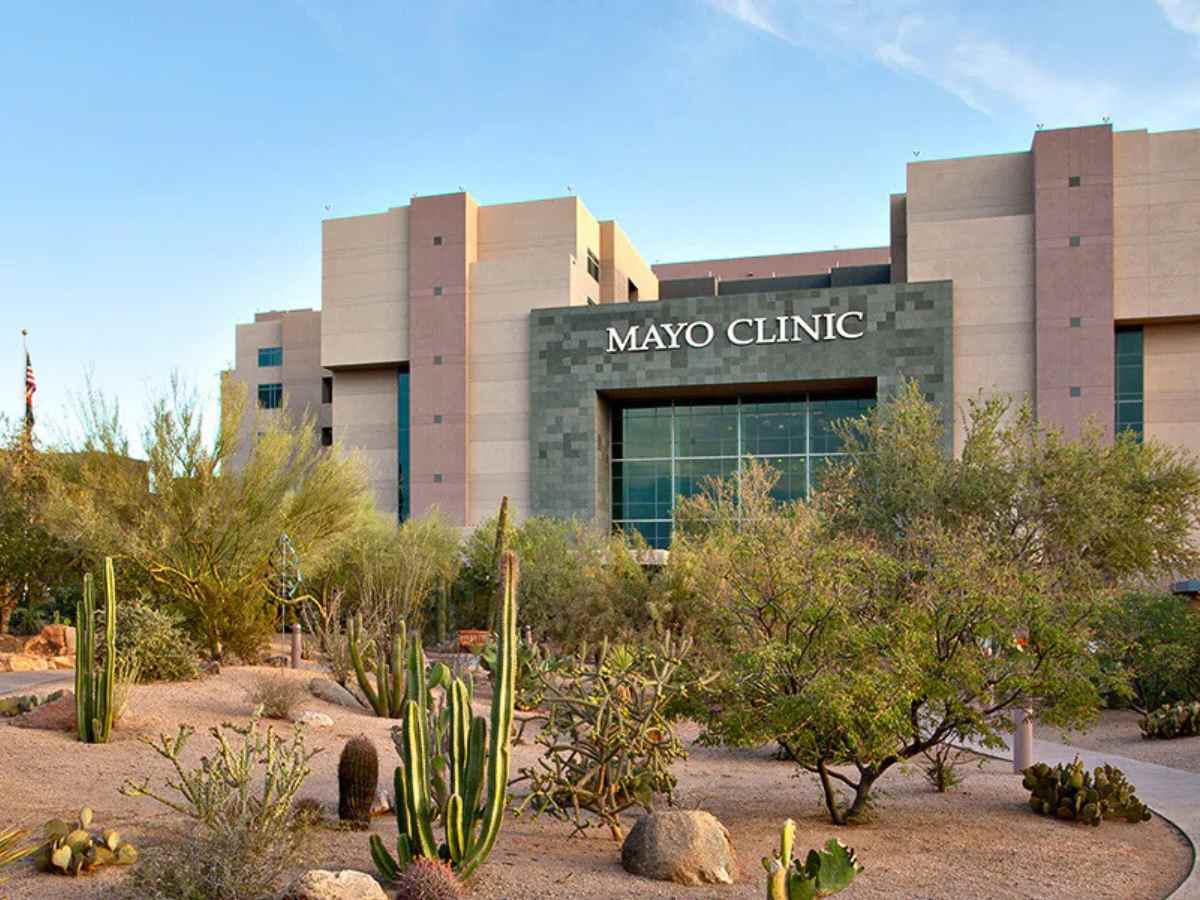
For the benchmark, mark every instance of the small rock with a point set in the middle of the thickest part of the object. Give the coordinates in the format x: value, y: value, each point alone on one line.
x: 383, y: 803
x: 332, y: 692
x: 683, y: 846
x: 210, y: 667
x: 63, y: 662
x: 56, y: 715
x: 321, y: 884
x: 313, y: 719
x: 278, y: 661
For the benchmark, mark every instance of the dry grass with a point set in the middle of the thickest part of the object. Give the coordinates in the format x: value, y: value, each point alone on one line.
x: 277, y: 694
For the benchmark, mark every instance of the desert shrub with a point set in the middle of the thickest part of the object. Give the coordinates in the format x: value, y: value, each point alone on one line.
x: 1172, y: 721
x: 1076, y: 795
x: 607, y: 739
x: 154, y: 640
x: 14, y: 846
x: 242, y: 798
x: 1155, y: 640
x: 534, y: 665
x: 943, y: 767
x: 276, y: 694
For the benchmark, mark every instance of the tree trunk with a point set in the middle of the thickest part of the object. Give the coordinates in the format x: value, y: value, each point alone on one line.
x: 831, y: 800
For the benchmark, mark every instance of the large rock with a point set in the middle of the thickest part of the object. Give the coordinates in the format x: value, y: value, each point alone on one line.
x: 52, y: 640
x: 332, y: 692
x: 684, y: 846
x: 23, y: 662
x: 53, y: 715
x: 321, y: 884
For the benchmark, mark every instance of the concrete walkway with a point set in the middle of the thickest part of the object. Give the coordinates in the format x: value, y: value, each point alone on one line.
x: 35, y: 682
x: 1172, y: 793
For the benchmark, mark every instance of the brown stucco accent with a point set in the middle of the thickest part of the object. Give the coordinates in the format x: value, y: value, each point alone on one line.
x: 1073, y: 251
x: 438, y: 327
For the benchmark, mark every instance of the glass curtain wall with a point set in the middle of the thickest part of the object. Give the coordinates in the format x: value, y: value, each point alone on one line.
x: 1130, y: 392
x: 670, y: 450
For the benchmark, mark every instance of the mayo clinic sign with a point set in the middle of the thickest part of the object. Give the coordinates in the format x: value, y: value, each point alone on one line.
x: 740, y: 332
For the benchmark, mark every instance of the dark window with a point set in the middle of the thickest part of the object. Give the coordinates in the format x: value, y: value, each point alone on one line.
x: 270, y: 356
x: 327, y: 389
x: 437, y: 240
x: 437, y: 360
x: 663, y: 452
x: 1074, y: 240
x: 633, y: 291
x: 593, y: 265
x: 1073, y: 181
x: 1076, y: 391
x: 1130, y: 387
x: 437, y: 477
x: 404, y: 453
x: 327, y: 437
x: 270, y: 396
x: 1076, y: 322
x: 437, y: 420
x: 437, y: 291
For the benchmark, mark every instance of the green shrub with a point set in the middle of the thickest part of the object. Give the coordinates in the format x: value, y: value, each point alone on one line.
x: 1076, y: 795
x: 1155, y: 640
x: 1178, y: 720
x: 155, y: 641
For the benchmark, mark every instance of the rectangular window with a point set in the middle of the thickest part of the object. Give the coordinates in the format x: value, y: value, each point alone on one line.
x: 593, y: 265
x: 326, y: 437
x: 270, y: 356
x: 1130, y: 382
x: 663, y: 452
x: 404, y: 454
x: 270, y: 396
x: 327, y: 389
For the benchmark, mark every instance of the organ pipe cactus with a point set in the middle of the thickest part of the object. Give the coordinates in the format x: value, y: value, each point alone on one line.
x: 824, y: 872
x: 388, y: 695
x: 470, y: 819
x: 93, y: 682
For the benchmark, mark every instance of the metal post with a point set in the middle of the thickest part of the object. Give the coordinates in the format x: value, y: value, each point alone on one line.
x: 297, y: 645
x: 1022, y: 744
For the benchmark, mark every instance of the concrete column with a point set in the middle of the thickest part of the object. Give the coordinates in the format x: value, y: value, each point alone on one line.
x: 1022, y: 741
x: 297, y: 646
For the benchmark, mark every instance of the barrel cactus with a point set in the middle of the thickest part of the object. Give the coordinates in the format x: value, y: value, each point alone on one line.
x: 358, y: 779
x: 1071, y: 793
x: 822, y: 874
x: 428, y: 879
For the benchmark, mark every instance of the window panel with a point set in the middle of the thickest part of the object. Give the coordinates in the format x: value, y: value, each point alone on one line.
x: 270, y: 396
x: 1130, y: 381
x: 270, y: 356
x: 706, y: 430
x: 643, y: 433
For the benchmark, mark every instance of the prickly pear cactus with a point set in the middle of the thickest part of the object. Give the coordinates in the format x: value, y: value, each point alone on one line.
x: 1172, y: 721
x: 1073, y: 794
x: 75, y: 850
x: 428, y: 879
x: 358, y: 779
x: 822, y: 874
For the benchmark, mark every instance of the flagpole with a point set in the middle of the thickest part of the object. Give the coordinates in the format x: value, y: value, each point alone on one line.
x: 26, y: 453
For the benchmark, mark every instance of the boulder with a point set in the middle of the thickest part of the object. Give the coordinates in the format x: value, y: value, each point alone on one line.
x: 685, y: 846
x: 54, y: 715
x: 322, y: 884
x: 313, y: 719
x: 332, y: 692
x: 63, y: 662
x: 23, y: 662
x: 52, y: 640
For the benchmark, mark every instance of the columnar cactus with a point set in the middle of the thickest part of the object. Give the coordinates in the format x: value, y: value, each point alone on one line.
x: 823, y: 873
x: 358, y: 779
x: 93, y: 684
x: 471, y: 820
x: 388, y: 694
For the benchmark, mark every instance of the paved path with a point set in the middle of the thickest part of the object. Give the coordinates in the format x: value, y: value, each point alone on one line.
x: 1172, y: 793
x: 28, y: 682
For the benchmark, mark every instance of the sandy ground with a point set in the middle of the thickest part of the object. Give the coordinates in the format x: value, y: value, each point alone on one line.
x: 980, y: 841
x: 1118, y: 732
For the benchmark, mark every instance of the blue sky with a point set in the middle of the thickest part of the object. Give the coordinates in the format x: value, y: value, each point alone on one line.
x: 167, y: 165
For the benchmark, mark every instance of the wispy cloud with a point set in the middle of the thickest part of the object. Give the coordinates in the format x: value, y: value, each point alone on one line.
x: 927, y: 39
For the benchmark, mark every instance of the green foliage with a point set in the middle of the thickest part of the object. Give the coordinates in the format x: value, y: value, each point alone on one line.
x: 428, y: 879
x: 943, y: 767
x: 1154, y: 639
x: 462, y: 751
x: 390, y: 689
x: 155, y: 640
x: 822, y: 874
x: 358, y: 780
x: 201, y: 519
x: 1076, y: 795
x: 534, y: 664
x: 1172, y: 721
x: 607, y: 739
x: 95, y: 676
x: 77, y: 849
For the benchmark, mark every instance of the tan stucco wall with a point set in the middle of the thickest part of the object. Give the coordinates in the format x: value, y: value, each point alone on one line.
x: 1156, y: 195
x: 365, y: 418
x: 364, y: 289
x: 1172, y: 383
x: 620, y: 263
x: 525, y: 253
x: 971, y: 220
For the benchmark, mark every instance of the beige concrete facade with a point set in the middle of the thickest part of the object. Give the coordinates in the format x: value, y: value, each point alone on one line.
x: 365, y: 417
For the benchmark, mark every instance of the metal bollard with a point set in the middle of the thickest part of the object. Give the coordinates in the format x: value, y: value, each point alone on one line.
x: 1022, y: 744
x: 297, y: 646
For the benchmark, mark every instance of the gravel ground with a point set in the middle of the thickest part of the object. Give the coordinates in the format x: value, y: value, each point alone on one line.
x: 1118, y: 732
x: 980, y: 841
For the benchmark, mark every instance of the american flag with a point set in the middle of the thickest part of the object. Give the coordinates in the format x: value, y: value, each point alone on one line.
x: 30, y: 388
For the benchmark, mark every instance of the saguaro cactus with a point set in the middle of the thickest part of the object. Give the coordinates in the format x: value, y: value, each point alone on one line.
x: 471, y: 826
x: 94, y: 685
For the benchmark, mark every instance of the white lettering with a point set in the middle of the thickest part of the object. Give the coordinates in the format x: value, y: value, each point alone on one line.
x: 673, y: 330
x: 841, y: 324
x: 653, y: 335
x: 733, y: 339
x: 761, y: 328
x: 829, y: 335
x: 690, y: 339
x: 803, y: 325
x: 617, y: 344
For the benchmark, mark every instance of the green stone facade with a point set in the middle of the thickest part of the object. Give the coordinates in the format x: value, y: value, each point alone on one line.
x: 574, y: 380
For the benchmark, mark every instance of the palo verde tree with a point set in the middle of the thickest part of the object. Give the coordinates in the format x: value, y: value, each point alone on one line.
x: 202, y: 516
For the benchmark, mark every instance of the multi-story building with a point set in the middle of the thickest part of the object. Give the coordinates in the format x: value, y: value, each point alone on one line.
x: 527, y: 349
